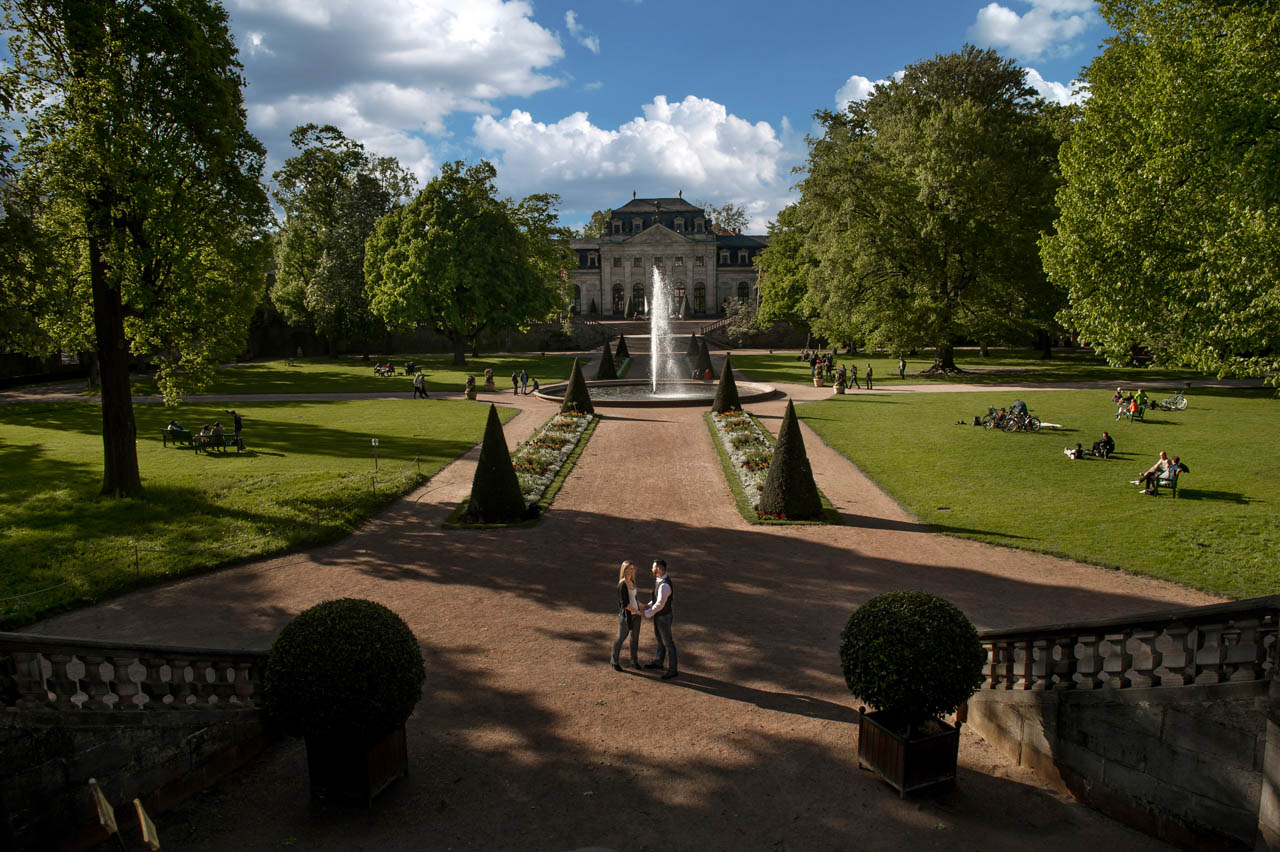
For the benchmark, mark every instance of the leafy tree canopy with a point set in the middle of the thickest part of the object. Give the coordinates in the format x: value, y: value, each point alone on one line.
x: 144, y: 186
x: 922, y: 208
x: 598, y: 224
x: 460, y: 260
x: 726, y: 217
x: 333, y: 192
x: 1168, y: 237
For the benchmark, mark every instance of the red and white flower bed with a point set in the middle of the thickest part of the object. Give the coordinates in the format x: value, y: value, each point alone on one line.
x: 539, y: 459
x: 748, y: 448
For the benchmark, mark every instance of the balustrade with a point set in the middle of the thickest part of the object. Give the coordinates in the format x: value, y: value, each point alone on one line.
x: 44, y: 672
x: 1222, y: 643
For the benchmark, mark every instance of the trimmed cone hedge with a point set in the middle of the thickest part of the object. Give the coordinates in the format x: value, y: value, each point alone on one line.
x: 912, y: 654
x: 348, y: 670
x: 703, y: 362
x: 789, y: 490
x: 576, y: 396
x: 686, y: 310
x: 495, y: 490
x: 692, y: 352
x: 727, y: 391
x: 607, y: 369
x: 629, y: 311
x: 622, y: 351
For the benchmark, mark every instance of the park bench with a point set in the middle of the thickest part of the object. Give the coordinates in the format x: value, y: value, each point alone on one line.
x: 1168, y: 479
x: 176, y: 436
x: 1132, y: 416
x: 208, y: 443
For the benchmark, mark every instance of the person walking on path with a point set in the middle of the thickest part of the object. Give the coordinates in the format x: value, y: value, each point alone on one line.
x: 853, y: 375
x: 628, y: 616
x: 420, y: 385
x: 662, y: 614
x: 868, y: 377
x: 524, y: 380
x: 902, y: 367
x: 515, y: 383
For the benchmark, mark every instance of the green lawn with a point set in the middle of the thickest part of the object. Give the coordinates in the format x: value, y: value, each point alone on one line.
x: 352, y: 375
x: 1221, y: 534
x: 306, y: 476
x: 1000, y: 367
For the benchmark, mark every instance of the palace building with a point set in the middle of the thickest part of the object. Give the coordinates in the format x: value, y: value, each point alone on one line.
x: 674, y: 237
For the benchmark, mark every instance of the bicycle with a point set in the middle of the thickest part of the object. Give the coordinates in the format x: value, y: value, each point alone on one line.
x: 1022, y: 422
x: 1177, y: 402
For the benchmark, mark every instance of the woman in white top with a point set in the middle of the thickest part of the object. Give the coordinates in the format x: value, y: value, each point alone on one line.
x: 628, y: 616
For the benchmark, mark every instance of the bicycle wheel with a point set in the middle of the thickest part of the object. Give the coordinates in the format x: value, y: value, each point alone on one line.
x: 988, y: 422
x: 1033, y: 424
x: 1011, y: 425
x: 1182, y: 403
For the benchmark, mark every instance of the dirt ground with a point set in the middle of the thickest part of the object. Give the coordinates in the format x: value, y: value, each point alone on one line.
x: 526, y: 739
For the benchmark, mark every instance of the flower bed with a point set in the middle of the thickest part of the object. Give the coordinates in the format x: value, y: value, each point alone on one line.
x: 538, y: 460
x: 746, y: 451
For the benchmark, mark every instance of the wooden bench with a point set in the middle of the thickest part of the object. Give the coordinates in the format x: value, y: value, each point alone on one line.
x: 220, y: 443
x: 1169, y: 480
x: 176, y: 436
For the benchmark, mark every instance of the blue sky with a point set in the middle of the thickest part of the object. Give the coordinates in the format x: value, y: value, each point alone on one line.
x: 594, y: 101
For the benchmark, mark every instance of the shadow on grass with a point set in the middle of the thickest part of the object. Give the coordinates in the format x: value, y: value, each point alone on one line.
x: 1185, y: 493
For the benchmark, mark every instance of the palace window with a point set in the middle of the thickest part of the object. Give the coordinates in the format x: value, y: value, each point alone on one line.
x: 679, y: 223
x: 700, y: 297
x: 637, y: 262
x: 619, y: 297
x: 677, y: 296
x: 617, y: 226
x: 724, y: 257
x: 744, y: 291
x: 657, y: 261
x: 637, y: 225
x: 637, y: 297
x: 679, y: 261
x: 617, y: 263
x: 577, y: 299
x: 697, y: 261
x: 593, y: 259
x: 744, y: 257
x: 699, y: 225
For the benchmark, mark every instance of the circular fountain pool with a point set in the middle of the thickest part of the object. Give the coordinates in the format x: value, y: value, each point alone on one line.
x: 640, y: 393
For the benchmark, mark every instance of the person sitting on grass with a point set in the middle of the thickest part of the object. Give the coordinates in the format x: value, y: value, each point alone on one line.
x: 1117, y: 396
x: 1075, y: 453
x: 534, y: 389
x: 1104, y: 446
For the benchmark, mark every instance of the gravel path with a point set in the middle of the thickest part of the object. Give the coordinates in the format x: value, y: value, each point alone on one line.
x: 527, y: 740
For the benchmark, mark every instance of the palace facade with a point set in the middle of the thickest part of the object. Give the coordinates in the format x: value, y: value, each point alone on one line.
x: 670, y: 235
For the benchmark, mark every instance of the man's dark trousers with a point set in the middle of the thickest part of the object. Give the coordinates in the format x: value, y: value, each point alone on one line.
x: 664, y: 641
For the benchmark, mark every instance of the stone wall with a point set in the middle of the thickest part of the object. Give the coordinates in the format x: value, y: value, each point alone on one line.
x: 1167, y: 722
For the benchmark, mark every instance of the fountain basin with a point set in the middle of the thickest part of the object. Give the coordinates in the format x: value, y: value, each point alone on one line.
x: 638, y: 393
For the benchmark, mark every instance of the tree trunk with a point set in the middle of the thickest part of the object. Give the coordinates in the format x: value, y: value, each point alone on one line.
x: 983, y: 351
x: 944, y: 360
x: 120, y: 476
x: 459, y: 350
x: 1045, y: 344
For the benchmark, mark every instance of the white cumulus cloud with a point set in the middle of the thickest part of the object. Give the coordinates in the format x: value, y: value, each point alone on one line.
x: 580, y: 35
x: 694, y: 145
x: 1074, y: 92
x: 1048, y: 27
x: 386, y: 71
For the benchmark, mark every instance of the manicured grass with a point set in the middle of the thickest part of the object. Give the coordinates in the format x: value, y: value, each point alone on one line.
x: 1220, y: 535
x: 352, y: 375
x: 307, y: 476
x: 1002, y: 366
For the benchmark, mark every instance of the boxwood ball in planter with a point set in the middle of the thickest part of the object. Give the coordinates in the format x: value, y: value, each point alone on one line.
x: 913, y: 657
x: 345, y: 674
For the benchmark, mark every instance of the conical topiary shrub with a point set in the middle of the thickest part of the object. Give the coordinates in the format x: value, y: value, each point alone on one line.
x: 607, y: 370
x: 692, y: 352
x: 621, y: 352
x: 629, y: 310
x: 686, y: 310
x: 726, y: 391
x: 789, y: 490
x: 703, y: 362
x: 495, y: 490
x: 576, y: 396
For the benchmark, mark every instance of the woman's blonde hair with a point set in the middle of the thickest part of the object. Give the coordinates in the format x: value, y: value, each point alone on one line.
x: 622, y: 571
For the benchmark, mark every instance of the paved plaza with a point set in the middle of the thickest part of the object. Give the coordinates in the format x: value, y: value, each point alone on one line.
x: 526, y: 739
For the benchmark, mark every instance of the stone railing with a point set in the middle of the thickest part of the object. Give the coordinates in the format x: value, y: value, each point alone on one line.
x: 714, y: 326
x: 56, y: 673
x: 1224, y: 643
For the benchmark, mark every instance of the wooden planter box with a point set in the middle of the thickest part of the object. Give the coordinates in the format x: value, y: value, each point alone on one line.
x: 343, y: 772
x: 907, y: 764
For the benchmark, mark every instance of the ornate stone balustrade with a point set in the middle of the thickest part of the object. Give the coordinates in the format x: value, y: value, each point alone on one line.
x: 57, y: 673
x: 1223, y: 643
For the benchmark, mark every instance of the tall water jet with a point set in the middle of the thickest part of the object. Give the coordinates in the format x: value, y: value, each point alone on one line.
x: 662, y: 364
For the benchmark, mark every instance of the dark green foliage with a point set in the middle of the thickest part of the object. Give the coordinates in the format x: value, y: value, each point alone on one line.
x: 789, y: 490
x: 911, y: 653
x: 622, y: 351
x: 694, y: 348
x: 686, y: 310
x: 726, y: 391
x: 345, y: 670
x: 607, y: 369
x: 630, y: 310
x: 702, y: 362
x: 576, y: 396
x: 495, y: 490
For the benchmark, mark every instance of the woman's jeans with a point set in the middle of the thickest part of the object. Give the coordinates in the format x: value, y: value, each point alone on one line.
x: 627, y: 623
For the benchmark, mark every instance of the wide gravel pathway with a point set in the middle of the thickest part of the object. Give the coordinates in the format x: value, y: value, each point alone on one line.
x: 526, y: 739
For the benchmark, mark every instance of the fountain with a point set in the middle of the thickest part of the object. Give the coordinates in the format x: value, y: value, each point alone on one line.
x: 668, y: 383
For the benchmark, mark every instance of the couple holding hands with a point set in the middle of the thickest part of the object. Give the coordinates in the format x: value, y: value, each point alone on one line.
x: 660, y: 612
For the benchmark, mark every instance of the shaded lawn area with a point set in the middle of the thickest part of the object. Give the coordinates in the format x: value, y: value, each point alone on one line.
x: 306, y: 476
x: 1002, y: 366
x: 352, y: 375
x: 1220, y: 535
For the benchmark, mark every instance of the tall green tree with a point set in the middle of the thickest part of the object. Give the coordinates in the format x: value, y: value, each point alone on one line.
x: 786, y: 268
x: 333, y: 192
x: 598, y: 225
x: 1169, y: 232
x: 923, y: 205
x: 460, y: 260
x: 149, y: 184
x: 725, y: 217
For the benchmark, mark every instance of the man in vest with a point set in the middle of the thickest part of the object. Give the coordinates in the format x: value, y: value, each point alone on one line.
x: 662, y: 614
